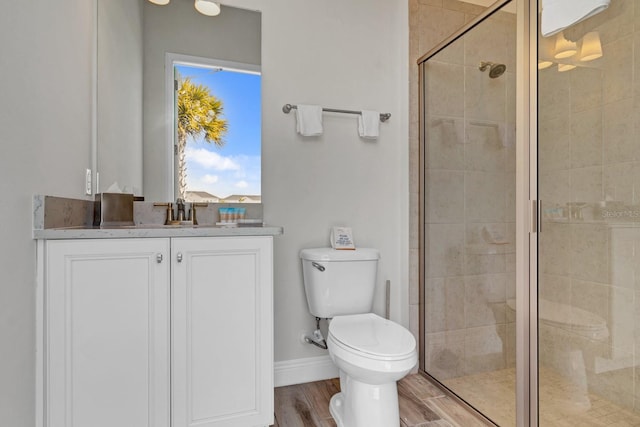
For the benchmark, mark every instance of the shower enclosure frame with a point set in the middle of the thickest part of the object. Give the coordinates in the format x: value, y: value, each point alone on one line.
x: 527, y: 205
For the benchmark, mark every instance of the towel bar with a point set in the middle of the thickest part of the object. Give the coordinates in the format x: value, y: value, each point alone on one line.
x: 383, y: 116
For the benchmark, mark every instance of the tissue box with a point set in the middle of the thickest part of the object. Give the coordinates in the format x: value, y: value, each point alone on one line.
x: 113, y: 209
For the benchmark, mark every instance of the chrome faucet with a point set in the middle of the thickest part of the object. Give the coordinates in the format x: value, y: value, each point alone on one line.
x: 180, y: 205
x: 180, y: 216
x: 193, y: 215
x: 169, y: 207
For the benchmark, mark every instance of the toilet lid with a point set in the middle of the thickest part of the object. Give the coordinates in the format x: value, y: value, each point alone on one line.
x: 371, y: 334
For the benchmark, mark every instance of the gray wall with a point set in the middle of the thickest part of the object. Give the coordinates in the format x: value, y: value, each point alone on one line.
x: 352, y: 55
x: 45, y: 130
x: 335, y: 53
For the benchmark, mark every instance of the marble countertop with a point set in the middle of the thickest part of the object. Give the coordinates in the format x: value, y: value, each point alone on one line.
x: 142, y: 231
x: 57, y: 218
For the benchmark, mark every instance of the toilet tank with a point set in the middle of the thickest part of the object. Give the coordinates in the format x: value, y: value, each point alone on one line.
x: 339, y: 282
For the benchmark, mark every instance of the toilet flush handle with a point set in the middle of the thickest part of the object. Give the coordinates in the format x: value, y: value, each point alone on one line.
x: 318, y: 266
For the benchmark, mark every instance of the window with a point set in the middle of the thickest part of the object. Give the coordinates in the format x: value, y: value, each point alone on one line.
x: 217, y: 142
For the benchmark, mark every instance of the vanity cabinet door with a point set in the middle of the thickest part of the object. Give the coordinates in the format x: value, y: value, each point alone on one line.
x: 106, y: 357
x: 222, y: 325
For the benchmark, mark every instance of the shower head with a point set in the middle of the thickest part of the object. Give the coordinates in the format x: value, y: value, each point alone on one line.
x: 495, y: 70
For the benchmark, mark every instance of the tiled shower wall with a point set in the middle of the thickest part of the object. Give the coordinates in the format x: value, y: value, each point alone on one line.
x: 430, y: 21
x: 470, y: 172
x: 589, y: 119
x: 470, y: 203
x: 589, y: 157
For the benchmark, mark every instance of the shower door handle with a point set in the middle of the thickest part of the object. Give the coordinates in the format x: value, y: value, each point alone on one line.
x: 539, y: 216
x: 536, y: 216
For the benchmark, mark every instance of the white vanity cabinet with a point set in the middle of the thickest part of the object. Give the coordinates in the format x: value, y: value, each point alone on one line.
x: 106, y: 332
x: 222, y: 329
x: 155, y: 332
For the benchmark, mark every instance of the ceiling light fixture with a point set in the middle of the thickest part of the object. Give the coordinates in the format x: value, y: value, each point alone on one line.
x: 207, y: 7
x: 591, y: 47
x: 564, y: 47
x: 565, y: 67
x: 542, y: 64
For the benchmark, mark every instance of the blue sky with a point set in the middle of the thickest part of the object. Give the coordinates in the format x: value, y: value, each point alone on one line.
x: 235, y: 167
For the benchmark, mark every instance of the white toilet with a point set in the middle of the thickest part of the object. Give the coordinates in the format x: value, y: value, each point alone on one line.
x: 372, y: 353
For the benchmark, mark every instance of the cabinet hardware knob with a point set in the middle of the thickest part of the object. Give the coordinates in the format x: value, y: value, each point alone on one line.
x: 179, y: 257
x: 159, y: 258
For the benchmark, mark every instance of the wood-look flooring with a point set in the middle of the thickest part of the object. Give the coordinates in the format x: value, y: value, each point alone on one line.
x: 421, y: 405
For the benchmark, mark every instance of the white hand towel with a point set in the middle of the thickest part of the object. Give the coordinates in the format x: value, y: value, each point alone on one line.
x: 369, y: 124
x: 309, y: 120
x: 560, y: 14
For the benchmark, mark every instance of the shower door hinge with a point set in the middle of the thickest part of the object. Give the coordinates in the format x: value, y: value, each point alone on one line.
x: 536, y: 219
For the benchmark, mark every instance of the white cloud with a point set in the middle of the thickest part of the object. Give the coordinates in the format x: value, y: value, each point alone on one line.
x: 209, y: 159
x: 210, y: 179
x: 222, y: 175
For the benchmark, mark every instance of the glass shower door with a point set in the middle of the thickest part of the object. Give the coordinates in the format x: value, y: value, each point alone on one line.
x: 469, y: 216
x: 589, y: 246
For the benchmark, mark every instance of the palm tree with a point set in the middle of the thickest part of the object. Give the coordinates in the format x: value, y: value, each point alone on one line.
x: 199, y: 115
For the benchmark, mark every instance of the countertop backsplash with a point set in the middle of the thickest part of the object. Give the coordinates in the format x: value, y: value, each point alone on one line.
x: 60, y: 212
x: 145, y: 213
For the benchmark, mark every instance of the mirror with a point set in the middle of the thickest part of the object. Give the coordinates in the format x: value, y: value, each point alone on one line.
x: 134, y: 130
x: 119, y: 94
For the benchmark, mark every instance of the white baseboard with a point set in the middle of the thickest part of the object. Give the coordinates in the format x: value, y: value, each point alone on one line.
x: 298, y: 371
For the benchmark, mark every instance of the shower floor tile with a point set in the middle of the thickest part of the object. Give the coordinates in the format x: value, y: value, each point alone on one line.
x: 561, y: 402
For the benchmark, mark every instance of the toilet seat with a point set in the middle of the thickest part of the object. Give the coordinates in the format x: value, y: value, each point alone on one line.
x: 372, y: 336
x: 567, y: 317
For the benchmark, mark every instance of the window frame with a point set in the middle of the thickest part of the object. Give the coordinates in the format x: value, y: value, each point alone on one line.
x: 171, y: 61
